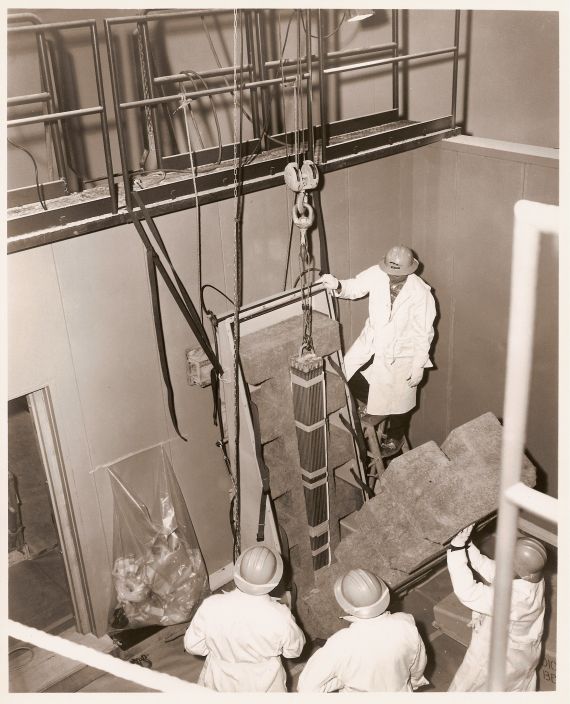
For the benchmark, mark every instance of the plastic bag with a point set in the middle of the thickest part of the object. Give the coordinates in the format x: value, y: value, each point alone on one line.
x: 158, y: 570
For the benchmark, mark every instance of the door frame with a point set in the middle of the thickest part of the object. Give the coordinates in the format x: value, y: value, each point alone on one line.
x: 41, y: 410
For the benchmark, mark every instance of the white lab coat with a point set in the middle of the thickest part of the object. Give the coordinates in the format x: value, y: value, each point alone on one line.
x: 525, y: 625
x: 398, y: 336
x: 382, y: 654
x: 243, y: 637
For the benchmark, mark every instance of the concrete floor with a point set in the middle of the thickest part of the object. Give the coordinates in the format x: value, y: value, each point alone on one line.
x: 444, y: 654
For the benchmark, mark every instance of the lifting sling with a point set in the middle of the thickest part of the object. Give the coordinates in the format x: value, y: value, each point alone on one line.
x: 180, y: 296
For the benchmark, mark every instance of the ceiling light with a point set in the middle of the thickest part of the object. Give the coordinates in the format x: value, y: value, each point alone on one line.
x: 358, y: 15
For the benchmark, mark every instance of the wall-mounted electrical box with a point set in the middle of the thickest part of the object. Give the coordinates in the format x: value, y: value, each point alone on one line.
x: 198, y: 367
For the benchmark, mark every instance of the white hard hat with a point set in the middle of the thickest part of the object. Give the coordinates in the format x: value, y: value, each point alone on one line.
x: 362, y: 594
x: 399, y: 261
x: 258, y: 570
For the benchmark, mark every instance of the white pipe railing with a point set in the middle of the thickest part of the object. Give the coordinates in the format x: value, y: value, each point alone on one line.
x: 154, y: 680
x: 532, y: 220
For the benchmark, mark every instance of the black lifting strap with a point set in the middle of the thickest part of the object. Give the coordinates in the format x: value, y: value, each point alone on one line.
x: 181, y: 298
x: 264, y: 472
x: 157, y: 317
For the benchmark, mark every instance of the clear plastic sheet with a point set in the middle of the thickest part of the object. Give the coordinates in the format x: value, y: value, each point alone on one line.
x: 158, y: 570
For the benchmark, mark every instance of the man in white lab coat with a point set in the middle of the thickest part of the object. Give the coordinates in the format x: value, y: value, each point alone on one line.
x: 396, y: 336
x: 244, y: 633
x: 378, y: 652
x: 526, y: 618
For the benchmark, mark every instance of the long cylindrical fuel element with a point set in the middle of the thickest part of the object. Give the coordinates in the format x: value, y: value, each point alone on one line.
x: 309, y: 405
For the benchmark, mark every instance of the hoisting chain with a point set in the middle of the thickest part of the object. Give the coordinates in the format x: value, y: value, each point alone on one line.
x: 301, y: 180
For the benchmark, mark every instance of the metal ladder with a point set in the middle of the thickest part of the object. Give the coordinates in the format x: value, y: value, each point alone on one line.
x: 377, y: 462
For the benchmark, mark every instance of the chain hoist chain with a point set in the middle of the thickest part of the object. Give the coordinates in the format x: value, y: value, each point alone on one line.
x: 146, y: 91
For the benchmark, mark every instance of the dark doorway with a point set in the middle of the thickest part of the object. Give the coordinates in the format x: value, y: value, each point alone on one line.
x: 38, y: 594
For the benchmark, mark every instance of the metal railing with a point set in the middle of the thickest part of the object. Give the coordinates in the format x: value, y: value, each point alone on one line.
x: 257, y: 78
x: 532, y: 220
x: 48, y: 94
x: 255, y: 74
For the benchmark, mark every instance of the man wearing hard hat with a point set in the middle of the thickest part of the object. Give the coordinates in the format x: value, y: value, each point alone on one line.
x: 379, y: 652
x: 244, y: 633
x: 526, y: 618
x: 396, y: 336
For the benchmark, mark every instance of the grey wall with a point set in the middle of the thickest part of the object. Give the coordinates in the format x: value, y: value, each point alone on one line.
x: 462, y: 204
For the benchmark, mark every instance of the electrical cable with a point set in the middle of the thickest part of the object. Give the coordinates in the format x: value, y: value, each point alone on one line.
x: 217, y: 60
x: 205, y: 286
x: 331, y: 34
x: 304, y: 273
x: 213, y: 106
x: 187, y: 103
x: 39, y: 186
x: 288, y: 251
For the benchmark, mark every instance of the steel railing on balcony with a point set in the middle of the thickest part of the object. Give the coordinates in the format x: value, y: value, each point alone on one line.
x: 48, y: 95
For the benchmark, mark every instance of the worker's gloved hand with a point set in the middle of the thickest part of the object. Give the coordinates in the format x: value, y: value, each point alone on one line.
x: 462, y: 537
x: 328, y: 280
x: 416, y: 375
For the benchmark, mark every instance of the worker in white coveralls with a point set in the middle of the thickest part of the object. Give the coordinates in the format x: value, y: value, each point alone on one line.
x: 378, y: 652
x: 243, y: 633
x: 387, y: 361
x: 526, y: 618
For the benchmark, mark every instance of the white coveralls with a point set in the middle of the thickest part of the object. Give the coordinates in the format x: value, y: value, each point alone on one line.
x: 398, y: 336
x: 525, y: 625
x: 243, y: 637
x: 381, y: 654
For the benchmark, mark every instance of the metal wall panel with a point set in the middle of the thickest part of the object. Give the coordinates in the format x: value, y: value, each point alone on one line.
x: 433, y: 178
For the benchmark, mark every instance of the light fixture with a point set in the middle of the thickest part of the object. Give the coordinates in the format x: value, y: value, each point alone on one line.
x: 358, y: 15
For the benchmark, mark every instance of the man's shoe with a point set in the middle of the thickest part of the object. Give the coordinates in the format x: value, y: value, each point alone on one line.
x: 390, y: 447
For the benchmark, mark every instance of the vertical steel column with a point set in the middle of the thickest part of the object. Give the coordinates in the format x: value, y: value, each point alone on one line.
x: 252, y: 71
x: 51, y: 105
x: 265, y: 116
x: 118, y: 113
x: 395, y: 65
x: 143, y: 26
x: 103, y: 118
x: 308, y: 52
x: 455, y: 69
x: 322, y: 86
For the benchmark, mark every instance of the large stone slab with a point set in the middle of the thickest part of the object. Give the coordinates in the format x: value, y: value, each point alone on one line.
x: 292, y: 516
x: 318, y: 613
x: 336, y: 394
x: 266, y: 352
x: 273, y: 402
x: 482, y: 438
x: 363, y: 550
x: 340, y: 447
x: 282, y: 459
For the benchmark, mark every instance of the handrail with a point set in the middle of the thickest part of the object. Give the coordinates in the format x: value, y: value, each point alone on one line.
x: 532, y: 220
x: 47, y: 95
